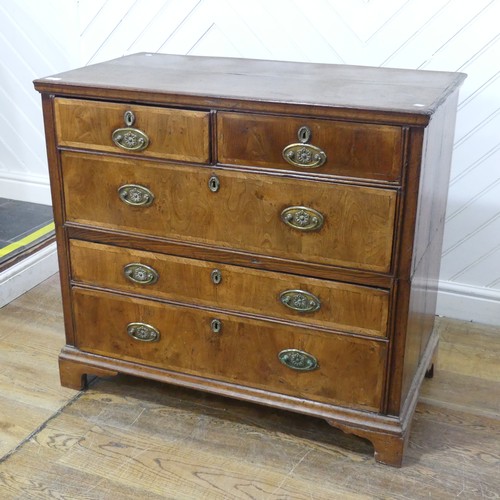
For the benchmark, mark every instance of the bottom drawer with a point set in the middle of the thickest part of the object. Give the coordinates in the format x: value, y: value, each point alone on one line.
x: 349, y: 371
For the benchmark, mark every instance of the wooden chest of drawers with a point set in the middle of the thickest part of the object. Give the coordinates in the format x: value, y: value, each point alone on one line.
x: 261, y: 230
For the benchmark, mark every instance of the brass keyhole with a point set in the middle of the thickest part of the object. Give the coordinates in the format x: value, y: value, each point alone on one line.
x: 216, y: 325
x: 213, y: 184
x: 304, y: 134
x: 129, y: 118
x: 216, y: 276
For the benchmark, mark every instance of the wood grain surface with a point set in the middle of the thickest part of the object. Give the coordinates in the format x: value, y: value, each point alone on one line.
x: 352, y: 149
x: 31, y: 330
x: 240, y: 289
x: 174, y: 134
x: 131, y: 438
x: 246, y: 83
x: 244, y: 214
x: 244, y: 352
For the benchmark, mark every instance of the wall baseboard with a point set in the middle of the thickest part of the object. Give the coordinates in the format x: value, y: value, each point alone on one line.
x: 28, y: 273
x: 32, y: 188
x: 468, y: 303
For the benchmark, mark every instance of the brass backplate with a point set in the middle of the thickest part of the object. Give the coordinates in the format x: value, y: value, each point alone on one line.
x: 302, y: 218
x: 300, y: 300
x: 135, y: 195
x: 130, y: 139
x: 298, y: 360
x: 304, y: 155
x: 140, y: 273
x: 143, y: 332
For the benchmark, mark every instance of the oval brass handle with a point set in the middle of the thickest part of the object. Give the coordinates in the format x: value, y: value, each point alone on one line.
x: 143, y: 332
x: 302, y: 155
x: 140, y: 273
x: 299, y: 300
x: 216, y: 325
x: 130, y: 139
x: 302, y: 218
x: 135, y: 195
x: 298, y: 360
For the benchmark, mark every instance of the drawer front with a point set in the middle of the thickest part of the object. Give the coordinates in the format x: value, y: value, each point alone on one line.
x: 356, y: 150
x: 350, y: 371
x: 173, y: 134
x: 246, y: 212
x: 337, y: 306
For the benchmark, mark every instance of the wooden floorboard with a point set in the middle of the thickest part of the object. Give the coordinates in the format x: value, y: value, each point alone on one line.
x: 31, y: 333
x: 130, y: 438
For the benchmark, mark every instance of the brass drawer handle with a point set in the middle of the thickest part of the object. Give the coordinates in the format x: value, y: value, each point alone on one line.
x: 302, y: 218
x: 299, y: 300
x: 304, y: 155
x: 298, y: 360
x: 143, y: 332
x: 140, y: 273
x: 129, y: 138
x: 216, y: 325
x: 135, y: 195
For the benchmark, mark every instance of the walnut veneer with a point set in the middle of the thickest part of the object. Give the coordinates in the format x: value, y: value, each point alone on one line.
x: 262, y: 230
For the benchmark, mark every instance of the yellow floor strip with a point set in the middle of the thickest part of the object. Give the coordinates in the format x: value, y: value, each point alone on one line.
x: 27, y: 239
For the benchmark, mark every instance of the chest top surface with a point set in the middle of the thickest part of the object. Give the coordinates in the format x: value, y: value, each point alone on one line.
x: 252, y: 81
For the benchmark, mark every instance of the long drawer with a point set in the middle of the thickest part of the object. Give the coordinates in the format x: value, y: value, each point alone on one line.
x: 174, y: 134
x: 329, y: 147
x: 335, y: 224
x: 327, y: 304
x: 302, y: 362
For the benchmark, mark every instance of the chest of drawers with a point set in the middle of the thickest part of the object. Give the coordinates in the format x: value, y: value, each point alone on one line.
x: 262, y: 230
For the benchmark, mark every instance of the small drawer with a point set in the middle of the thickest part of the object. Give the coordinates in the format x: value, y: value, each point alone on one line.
x: 172, y: 134
x: 300, y: 220
x: 353, y: 150
x: 301, y: 362
x: 322, y: 303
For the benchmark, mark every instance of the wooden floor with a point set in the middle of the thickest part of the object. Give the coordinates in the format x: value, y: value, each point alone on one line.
x: 130, y: 438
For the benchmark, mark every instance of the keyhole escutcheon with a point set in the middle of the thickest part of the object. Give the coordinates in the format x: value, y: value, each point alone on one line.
x: 216, y: 276
x: 216, y: 325
x: 213, y: 183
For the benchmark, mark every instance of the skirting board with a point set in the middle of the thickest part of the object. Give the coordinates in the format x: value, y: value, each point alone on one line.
x: 468, y: 303
x: 32, y: 188
x: 27, y: 273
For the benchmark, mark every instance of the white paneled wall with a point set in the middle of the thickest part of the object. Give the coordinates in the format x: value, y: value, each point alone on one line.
x: 41, y: 36
x: 37, y: 38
